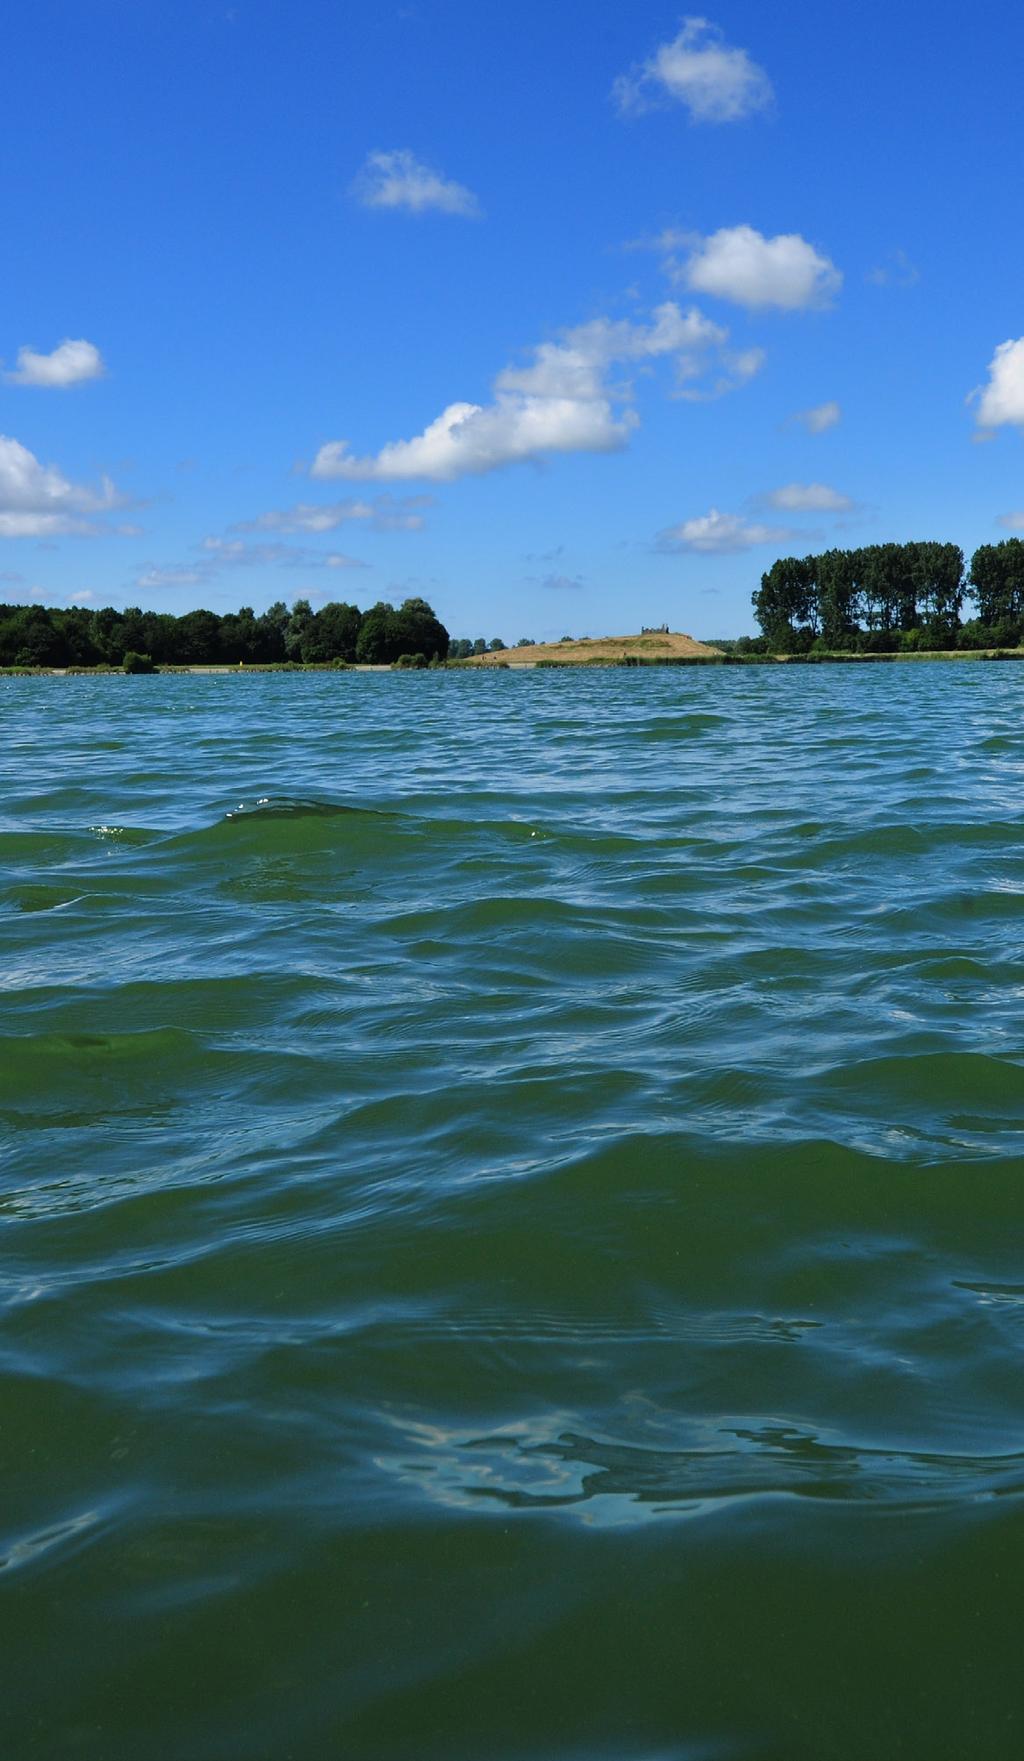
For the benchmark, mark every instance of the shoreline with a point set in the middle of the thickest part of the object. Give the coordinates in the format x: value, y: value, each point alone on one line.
x: 624, y: 662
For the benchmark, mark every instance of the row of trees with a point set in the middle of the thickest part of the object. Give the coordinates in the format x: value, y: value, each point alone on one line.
x: 462, y: 647
x: 889, y: 596
x: 35, y: 635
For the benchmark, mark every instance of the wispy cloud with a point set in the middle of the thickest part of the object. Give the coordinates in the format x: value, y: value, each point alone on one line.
x: 738, y: 366
x: 385, y: 513
x: 560, y: 583
x: 819, y: 418
x: 236, y: 553
x: 697, y: 68
x: 816, y: 498
x: 172, y: 575
x: 398, y: 180
x: 219, y: 554
x: 1012, y: 522
x: 70, y: 363
x: 896, y: 271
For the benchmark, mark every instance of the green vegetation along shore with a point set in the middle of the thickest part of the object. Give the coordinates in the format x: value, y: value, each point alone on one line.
x: 890, y: 598
x: 38, y: 637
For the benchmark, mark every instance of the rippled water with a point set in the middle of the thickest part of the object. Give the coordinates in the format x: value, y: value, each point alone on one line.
x: 512, y: 1206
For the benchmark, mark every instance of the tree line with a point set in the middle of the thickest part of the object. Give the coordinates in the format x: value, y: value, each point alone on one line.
x: 883, y: 598
x: 41, y: 636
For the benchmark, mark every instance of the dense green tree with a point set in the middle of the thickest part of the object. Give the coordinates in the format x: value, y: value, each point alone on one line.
x: 297, y: 629
x: 419, y: 631
x: 239, y: 636
x: 997, y: 583
x: 938, y: 574
x: 838, y: 597
x: 272, y: 628
x: 197, y: 639
x: 333, y: 633
x: 387, y: 634
x: 77, y: 636
x: 786, y: 604
x: 879, y: 597
x: 377, y: 641
x: 31, y: 638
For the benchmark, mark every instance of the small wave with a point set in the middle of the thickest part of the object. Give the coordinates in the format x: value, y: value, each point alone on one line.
x: 296, y: 807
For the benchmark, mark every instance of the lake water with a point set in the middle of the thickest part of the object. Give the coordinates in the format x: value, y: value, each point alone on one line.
x: 512, y: 1214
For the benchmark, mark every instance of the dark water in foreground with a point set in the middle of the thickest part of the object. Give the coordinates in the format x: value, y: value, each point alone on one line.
x: 512, y: 1246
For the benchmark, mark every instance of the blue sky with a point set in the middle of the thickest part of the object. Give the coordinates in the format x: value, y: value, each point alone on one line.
x: 568, y: 317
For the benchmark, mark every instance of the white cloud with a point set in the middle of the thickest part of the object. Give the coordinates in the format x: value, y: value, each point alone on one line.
x: 399, y: 180
x: 468, y: 439
x: 70, y: 363
x: 1012, y: 522
x: 819, y: 417
x: 698, y: 69
x: 218, y: 554
x: 738, y: 263
x: 82, y: 598
x: 1001, y: 401
x: 809, y: 498
x: 561, y: 583
x: 236, y: 553
x: 718, y: 534
x: 385, y: 513
x: 172, y: 576
x: 560, y: 401
x: 575, y: 367
x: 37, y: 501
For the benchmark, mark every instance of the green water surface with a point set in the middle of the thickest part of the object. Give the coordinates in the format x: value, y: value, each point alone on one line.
x: 511, y: 1204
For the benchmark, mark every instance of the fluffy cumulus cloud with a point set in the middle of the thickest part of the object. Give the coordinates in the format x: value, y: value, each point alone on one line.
x: 820, y: 417
x: 399, y: 180
x: 563, y: 399
x: 699, y: 69
x: 467, y: 439
x: 1012, y: 522
x: 38, y: 501
x: 738, y: 263
x: 817, y: 498
x: 70, y: 363
x: 385, y: 513
x: 718, y: 534
x: 1000, y: 403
